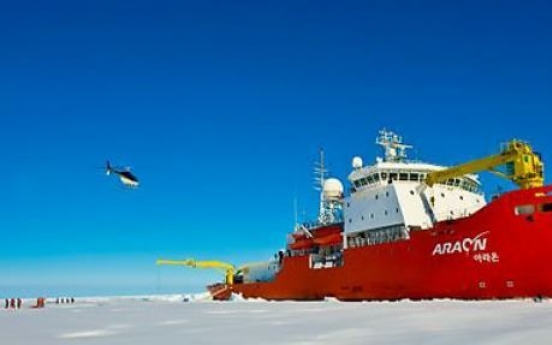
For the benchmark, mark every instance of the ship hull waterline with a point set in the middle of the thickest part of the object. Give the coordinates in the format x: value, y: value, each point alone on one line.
x: 496, y: 253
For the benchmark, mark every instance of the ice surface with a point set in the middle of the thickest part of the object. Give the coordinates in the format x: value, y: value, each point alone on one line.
x: 165, y: 320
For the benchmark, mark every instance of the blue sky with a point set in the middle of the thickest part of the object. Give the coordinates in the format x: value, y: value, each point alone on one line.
x: 220, y: 108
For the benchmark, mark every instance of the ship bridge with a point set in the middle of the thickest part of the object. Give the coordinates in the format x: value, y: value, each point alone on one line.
x: 388, y: 172
x: 390, y: 198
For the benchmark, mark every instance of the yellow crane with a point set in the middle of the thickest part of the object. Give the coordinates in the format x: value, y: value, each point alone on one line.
x: 523, y: 166
x: 228, y: 269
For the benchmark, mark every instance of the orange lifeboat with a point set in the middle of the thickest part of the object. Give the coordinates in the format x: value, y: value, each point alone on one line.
x: 324, y: 236
x: 302, y: 243
x: 328, y: 240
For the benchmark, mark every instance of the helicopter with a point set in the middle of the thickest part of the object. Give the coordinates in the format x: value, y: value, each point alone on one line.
x: 126, y: 177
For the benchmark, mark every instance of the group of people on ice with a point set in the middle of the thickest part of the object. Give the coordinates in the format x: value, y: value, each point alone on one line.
x: 13, y: 303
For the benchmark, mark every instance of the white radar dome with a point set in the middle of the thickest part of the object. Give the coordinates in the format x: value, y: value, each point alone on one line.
x: 333, y: 188
x: 357, y: 162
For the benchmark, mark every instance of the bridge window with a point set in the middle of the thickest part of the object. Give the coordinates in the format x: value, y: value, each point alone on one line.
x: 403, y: 176
x: 414, y: 176
x: 383, y: 175
x: 376, y: 177
x: 393, y: 176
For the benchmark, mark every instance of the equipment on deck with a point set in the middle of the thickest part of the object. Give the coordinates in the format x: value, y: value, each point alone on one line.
x: 523, y: 166
x: 229, y: 269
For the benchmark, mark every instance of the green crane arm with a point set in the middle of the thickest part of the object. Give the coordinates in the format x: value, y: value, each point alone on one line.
x: 523, y: 166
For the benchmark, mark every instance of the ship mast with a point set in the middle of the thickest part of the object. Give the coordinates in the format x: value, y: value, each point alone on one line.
x: 395, y: 150
x: 330, y: 202
x: 320, y: 171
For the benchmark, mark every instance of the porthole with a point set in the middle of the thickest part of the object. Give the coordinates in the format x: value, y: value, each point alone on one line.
x: 442, y: 195
x: 524, y: 210
x: 545, y: 207
x: 461, y: 197
x: 411, y: 192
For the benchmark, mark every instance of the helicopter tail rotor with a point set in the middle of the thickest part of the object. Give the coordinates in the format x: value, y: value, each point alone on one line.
x: 108, y: 168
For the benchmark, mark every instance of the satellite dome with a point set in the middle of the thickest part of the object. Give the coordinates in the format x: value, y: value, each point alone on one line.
x: 357, y: 162
x: 333, y: 188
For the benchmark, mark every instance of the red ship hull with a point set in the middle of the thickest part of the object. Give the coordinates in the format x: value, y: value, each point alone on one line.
x: 492, y: 254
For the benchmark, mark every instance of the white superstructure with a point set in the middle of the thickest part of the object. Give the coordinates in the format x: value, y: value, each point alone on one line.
x: 389, y: 198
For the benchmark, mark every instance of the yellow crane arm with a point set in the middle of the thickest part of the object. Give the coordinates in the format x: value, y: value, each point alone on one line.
x: 523, y: 166
x: 228, y: 268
